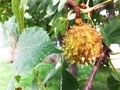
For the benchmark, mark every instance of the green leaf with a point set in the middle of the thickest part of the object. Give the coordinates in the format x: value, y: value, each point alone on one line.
x: 31, y: 3
x: 100, y: 80
x: 98, y: 18
x: 55, y: 2
x: 11, y: 26
x: 33, y: 46
x: 26, y: 80
x: 111, y: 31
x: 58, y: 26
x: 113, y: 84
x: 23, y: 4
x: 106, y: 38
x: 54, y: 83
x: 68, y: 81
x: 61, y: 5
x: 51, y: 73
x: 17, y: 78
x: 51, y: 9
x: 5, y: 10
x: 50, y: 78
x: 43, y: 4
x: 43, y: 70
x: 18, y: 8
x: 34, y: 85
x: 15, y: 6
x: 77, y: 1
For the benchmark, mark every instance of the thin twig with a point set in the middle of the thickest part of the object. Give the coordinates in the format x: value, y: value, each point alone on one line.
x: 90, y: 19
x: 93, y: 73
x: 115, y: 53
x: 78, y: 19
x: 98, y: 5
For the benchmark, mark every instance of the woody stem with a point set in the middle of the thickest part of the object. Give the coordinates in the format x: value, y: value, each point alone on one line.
x: 75, y: 7
x: 93, y: 73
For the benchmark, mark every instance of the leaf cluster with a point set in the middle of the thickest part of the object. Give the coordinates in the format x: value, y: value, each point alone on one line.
x: 35, y: 38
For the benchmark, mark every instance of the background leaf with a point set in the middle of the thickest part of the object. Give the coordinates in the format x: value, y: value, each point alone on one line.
x: 33, y: 46
x: 100, y: 80
x: 106, y: 39
x: 113, y: 84
x: 111, y: 31
x: 49, y: 76
x: 58, y: 27
x: 51, y: 73
x: 68, y: 81
x: 61, y: 5
x: 5, y: 10
x: 51, y: 9
x: 55, y: 2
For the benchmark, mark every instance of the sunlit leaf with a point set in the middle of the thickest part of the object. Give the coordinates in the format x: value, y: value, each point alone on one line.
x: 55, y: 2
x: 33, y: 46
x: 26, y: 80
x: 61, y: 5
x: 18, y: 8
x: 11, y: 85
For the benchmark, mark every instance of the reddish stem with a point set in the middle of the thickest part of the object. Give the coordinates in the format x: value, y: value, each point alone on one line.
x: 75, y: 7
x: 93, y: 73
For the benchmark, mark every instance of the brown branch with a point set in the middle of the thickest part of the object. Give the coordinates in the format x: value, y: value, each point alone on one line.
x: 93, y: 73
x: 75, y: 7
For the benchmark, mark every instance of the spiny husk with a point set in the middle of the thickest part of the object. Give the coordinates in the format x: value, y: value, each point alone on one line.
x: 82, y: 44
